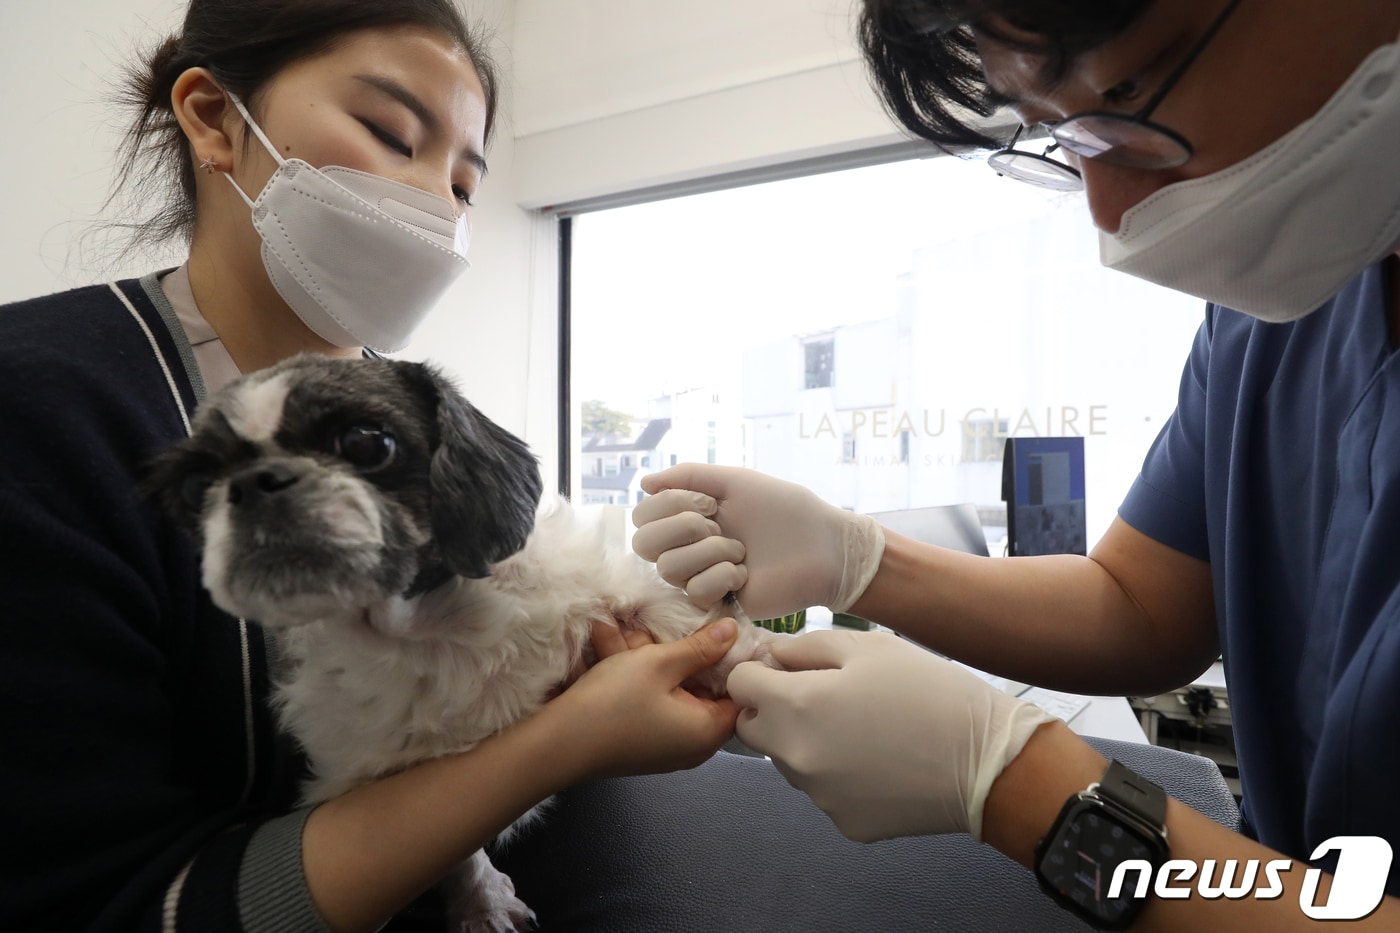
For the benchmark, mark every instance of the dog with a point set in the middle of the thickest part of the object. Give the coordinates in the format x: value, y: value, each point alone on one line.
x: 394, y: 542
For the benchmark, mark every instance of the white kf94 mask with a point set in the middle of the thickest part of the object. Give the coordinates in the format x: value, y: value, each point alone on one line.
x: 360, y: 258
x: 1278, y: 234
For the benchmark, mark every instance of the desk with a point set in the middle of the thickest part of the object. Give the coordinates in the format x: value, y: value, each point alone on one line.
x: 1110, y: 718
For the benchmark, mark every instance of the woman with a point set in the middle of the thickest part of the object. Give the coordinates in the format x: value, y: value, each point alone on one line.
x: 147, y: 786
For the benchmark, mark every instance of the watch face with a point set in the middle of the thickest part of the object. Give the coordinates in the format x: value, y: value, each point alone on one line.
x: 1078, y: 861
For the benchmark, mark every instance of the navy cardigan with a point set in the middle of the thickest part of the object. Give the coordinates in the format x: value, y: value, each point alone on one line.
x: 143, y: 783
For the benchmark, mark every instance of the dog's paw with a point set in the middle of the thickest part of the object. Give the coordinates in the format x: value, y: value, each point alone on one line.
x: 487, y: 903
x: 514, y: 917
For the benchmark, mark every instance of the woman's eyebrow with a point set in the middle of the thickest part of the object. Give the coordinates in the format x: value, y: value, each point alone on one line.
x: 422, y: 111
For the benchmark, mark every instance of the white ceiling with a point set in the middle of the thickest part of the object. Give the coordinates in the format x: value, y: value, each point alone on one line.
x: 581, y: 60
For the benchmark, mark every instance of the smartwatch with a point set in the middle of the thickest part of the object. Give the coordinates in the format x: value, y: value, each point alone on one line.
x: 1120, y: 818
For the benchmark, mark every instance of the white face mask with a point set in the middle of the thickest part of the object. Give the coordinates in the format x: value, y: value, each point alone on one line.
x: 360, y: 258
x: 1277, y: 235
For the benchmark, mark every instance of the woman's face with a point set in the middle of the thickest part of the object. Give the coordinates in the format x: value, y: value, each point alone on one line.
x: 402, y: 102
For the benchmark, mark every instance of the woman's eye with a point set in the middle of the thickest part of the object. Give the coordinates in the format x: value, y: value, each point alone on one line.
x: 365, y: 445
x: 388, y: 139
x: 462, y: 195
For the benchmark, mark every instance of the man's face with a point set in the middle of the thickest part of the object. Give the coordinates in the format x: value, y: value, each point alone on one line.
x: 1272, y: 65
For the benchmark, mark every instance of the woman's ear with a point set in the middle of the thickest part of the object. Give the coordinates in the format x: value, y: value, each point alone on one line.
x: 203, y: 110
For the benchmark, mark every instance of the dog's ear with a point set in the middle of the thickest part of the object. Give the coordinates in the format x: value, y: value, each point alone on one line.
x: 176, y: 480
x: 483, y: 484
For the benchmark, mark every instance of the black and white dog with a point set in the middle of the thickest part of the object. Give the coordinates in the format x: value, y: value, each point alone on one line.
x: 392, y: 539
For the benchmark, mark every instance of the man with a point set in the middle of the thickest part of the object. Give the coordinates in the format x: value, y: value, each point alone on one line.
x: 1238, y: 150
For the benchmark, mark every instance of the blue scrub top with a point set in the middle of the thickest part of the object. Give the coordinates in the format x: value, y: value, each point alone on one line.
x: 1281, y: 466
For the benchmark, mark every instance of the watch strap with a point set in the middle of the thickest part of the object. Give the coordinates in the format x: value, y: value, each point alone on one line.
x: 1134, y: 793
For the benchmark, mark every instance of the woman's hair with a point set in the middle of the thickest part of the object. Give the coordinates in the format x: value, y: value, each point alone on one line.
x: 245, y: 43
x: 924, y: 63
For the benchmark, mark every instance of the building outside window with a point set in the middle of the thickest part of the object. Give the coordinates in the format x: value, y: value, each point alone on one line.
x: 984, y: 440
x: 959, y: 308
x: 819, y: 369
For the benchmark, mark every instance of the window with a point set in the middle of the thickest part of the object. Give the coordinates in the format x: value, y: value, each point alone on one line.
x: 964, y: 309
x: 983, y: 440
x: 820, y: 358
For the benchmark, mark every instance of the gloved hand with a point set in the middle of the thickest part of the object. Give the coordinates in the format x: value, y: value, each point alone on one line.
x: 713, y: 530
x: 888, y: 738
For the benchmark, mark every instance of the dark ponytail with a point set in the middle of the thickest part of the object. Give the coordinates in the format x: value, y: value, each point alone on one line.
x: 245, y: 43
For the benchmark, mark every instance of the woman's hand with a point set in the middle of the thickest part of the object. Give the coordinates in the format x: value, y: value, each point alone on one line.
x: 633, y: 714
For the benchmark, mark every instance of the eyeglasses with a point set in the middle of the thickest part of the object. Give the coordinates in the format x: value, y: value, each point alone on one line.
x: 1129, y: 140
x: 1039, y: 170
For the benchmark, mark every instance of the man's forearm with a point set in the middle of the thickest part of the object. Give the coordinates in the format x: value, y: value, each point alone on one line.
x: 1055, y: 764
x: 1060, y: 621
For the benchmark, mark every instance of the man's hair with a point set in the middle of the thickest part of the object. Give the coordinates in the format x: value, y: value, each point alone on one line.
x: 923, y: 58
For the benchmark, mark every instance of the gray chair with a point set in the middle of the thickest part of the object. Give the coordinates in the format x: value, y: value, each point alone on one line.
x: 730, y: 846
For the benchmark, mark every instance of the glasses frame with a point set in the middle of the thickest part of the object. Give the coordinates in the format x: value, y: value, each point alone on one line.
x: 1001, y: 163
x: 1140, y: 118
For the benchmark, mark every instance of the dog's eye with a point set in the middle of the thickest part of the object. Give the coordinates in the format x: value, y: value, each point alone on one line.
x: 192, y: 490
x: 365, y: 445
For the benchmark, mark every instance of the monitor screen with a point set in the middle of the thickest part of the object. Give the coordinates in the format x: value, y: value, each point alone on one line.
x: 1043, y: 484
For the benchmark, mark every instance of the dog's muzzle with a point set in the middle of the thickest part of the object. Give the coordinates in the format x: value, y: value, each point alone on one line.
x: 285, y: 533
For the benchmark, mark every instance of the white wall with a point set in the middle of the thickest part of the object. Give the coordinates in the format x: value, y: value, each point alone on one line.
x: 59, y: 63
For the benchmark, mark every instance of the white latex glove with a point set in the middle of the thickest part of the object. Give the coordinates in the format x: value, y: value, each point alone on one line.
x: 888, y: 738
x: 713, y: 530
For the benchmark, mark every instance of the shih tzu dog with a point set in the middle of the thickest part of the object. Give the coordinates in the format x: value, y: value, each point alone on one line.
x: 391, y: 538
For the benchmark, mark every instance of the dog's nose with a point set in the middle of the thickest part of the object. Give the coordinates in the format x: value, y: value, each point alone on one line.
x: 252, y: 485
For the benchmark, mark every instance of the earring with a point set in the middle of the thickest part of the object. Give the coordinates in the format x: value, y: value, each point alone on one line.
x: 209, y: 165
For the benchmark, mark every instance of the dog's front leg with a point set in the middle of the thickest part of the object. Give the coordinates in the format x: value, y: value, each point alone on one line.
x: 481, y: 899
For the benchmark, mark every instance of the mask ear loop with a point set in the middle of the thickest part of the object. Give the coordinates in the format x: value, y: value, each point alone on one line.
x: 262, y: 138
